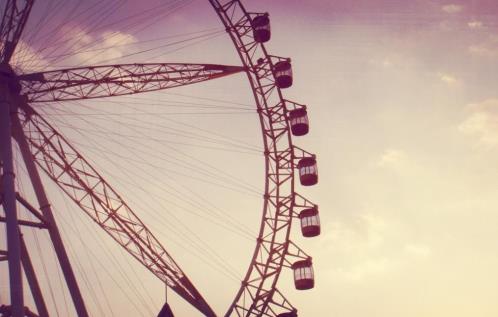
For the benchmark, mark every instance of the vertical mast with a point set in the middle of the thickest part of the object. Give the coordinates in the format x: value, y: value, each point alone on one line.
x: 9, y: 201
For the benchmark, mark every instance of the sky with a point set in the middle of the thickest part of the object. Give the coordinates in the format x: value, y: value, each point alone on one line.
x: 403, y: 109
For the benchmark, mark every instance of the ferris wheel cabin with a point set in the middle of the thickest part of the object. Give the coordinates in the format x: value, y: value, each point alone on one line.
x: 261, y: 28
x: 303, y: 274
x: 310, y: 222
x: 308, y: 171
x: 282, y: 71
x: 299, y: 121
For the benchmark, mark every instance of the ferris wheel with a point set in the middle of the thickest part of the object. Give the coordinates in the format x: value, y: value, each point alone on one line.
x: 43, y: 147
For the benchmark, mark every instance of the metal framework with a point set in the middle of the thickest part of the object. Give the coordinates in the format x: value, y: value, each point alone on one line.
x: 42, y: 147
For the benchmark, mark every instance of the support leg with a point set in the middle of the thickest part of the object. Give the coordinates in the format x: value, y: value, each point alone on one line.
x: 33, y: 281
x: 9, y: 205
x: 46, y: 210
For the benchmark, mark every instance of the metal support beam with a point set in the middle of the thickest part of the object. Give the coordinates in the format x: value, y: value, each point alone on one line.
x: 26, y: 223
x: 116, y: 80
x: 32, y: 280
x: 30, y: 208
x: 47, y: 213
x: 9, y: 205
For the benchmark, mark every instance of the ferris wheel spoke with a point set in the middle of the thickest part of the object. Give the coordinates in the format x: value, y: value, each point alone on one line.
x: 116, y: 80
x: 13, y: 21
x: 91, y: 192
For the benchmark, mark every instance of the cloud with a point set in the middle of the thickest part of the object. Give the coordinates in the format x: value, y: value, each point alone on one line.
x: 475, y: 24
x: 391, y: 158
x: 88, y: 49
x: 28, y: 59
x: 448, y: 26
x: 357, y: 244
x: 447, y: 79
x: 116, y: 40
x: 365, y: 231
x: 482, y: 122
x: 385, y: 62
x: 481, y: 50
x: 375, y: 228
x: 365, y: 269
x: 93, y: 49
x: 369, y: 246
x: 488, y: 48
x: 452, y: 8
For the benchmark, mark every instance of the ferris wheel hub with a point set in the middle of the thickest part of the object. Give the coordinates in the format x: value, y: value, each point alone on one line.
x: 9, y: 78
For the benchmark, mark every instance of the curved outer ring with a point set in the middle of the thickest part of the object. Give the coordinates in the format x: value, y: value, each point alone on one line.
x: 258, y: 295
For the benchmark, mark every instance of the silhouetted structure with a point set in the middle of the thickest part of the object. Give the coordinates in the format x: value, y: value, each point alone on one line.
x: 166, y: 311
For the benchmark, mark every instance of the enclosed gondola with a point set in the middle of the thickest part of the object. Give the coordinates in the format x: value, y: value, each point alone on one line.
x: 303, y: 274
x: 282, y: 71
x: 310, y: 222
x: 308, y: 171
x: 299, y: 121
x: 261, y: 28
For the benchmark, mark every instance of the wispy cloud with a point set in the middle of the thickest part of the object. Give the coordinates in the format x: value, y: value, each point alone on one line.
x: 97, y: 48
x: 358, y: 244
x: 482, y: 50
x: 447, y: 79
x: 28, y: 59
x: 364, y: 248
x: 452, y: 8
x: 482, y: 122
x: 475, y: 25
x: 75, y: 47
x: 391, y: 158
x: 488, y: 48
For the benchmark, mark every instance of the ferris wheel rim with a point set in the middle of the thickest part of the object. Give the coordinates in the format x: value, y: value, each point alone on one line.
x: 263, y: 105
